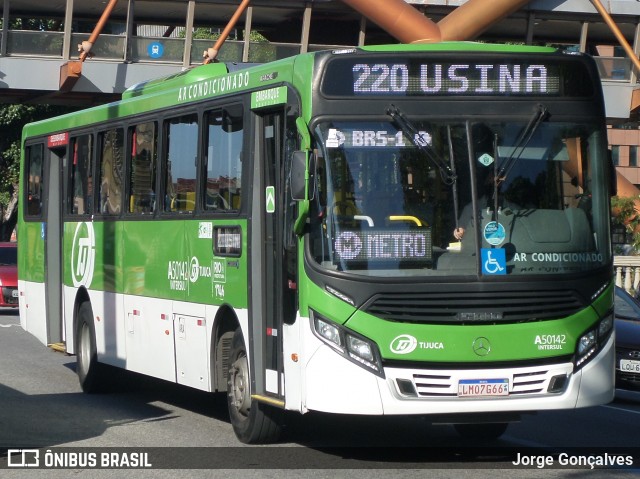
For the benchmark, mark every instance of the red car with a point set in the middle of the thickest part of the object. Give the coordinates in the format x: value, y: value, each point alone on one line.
x: 9, y: 275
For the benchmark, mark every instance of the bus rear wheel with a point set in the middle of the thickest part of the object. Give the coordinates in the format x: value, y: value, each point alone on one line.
x: 90, y: 371
x: 253, y: 422
x: 485, y: 432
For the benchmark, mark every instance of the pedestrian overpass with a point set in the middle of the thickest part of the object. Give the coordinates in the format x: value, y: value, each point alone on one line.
x: 146, y: 39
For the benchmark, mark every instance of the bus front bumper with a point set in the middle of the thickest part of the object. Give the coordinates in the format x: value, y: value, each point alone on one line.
x: 331, y: 383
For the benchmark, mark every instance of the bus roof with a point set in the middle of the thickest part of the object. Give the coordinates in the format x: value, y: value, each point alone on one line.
x: 223, y: 78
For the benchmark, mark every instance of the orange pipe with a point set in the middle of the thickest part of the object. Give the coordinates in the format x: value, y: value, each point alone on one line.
x: 87, y: 45
x: 408, y: 25
x: 399, y: 19
x: 211, y: 53
x: 474, y: 17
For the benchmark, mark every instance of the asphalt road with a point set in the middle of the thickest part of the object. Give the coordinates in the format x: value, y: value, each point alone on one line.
x: 186, y: 433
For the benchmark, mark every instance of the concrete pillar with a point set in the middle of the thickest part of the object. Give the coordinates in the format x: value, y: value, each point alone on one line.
x: 129, y: 33
x: 188, y: 37
x: 306, y: 26
x: 247, y: 34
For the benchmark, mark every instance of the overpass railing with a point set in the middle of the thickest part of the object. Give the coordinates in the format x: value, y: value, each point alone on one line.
x: 171, y: 50
x: 143, y: 49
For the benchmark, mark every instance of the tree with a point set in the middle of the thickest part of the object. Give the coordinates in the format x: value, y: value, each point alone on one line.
x: 12, y: 119
x: 624, y: 213
x: 265, y: 52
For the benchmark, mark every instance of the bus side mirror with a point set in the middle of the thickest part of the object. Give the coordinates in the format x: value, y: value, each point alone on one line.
x: 613, y: 175
x: 299, y: 178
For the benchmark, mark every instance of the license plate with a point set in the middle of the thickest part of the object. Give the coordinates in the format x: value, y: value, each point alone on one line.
x: 14, y: 293
x: 630, y: 366
x: 483, y: 387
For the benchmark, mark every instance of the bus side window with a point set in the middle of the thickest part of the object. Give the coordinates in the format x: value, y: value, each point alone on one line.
x: 224, y: 138
x: 82, y: 175
x: 110, y: 171
x: 34, y: 178
x: 143, y: 147
x: 180, y: 163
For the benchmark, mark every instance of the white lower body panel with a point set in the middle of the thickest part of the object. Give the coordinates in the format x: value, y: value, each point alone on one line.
x: 32, y: 306
x: 165, y: 339
x: 330, y: 383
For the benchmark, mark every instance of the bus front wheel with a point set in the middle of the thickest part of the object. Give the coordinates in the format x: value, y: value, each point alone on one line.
x: 253, y: 422
x: 89, y: 370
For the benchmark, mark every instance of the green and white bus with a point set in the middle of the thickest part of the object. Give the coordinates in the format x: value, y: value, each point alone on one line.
x: 385, y: 230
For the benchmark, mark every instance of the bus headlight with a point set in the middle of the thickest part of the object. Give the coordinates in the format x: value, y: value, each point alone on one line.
x: 359, y: 348
x: 605, y: 326
x: 329, y: 332
x: 593, y: 340
x: 586, y: 343
x: 349, y: 344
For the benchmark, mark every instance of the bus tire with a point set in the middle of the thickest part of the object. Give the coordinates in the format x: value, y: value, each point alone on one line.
x: 253, y: 422
x: 89, y: 370
x: 486, y: 432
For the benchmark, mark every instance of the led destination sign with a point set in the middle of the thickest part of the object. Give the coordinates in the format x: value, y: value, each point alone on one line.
x: 384, y: 76
x: 383, y: 245
x: 459, y: 78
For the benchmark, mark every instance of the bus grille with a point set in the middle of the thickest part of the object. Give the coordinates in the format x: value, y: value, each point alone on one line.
x: 474, y: 307
x: 444, y: 385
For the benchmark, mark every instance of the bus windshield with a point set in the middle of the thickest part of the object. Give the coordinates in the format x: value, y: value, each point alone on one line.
x: 459, y: 198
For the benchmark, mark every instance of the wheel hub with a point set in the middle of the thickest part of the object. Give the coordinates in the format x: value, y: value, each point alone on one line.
x: 239, y: 386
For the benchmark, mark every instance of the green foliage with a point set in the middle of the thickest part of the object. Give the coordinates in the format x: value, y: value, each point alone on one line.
x: 12, y: 119
x: 201, y: 33
x: 624, y: 213
x: 38, y: 24
x: 623, y: 210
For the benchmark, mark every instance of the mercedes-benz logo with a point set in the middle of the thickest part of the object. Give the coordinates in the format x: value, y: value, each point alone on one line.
x: 481, y: 346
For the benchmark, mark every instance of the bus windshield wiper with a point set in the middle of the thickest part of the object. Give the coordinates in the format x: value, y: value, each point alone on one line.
x: 448, y: 176
x: 538, y: 116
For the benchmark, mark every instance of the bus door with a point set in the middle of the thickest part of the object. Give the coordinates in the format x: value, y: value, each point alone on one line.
x: 53, y: 243
x: 272, y: 292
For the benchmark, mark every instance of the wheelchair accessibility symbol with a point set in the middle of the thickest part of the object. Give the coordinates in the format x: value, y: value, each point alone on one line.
x: 494, y: 261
